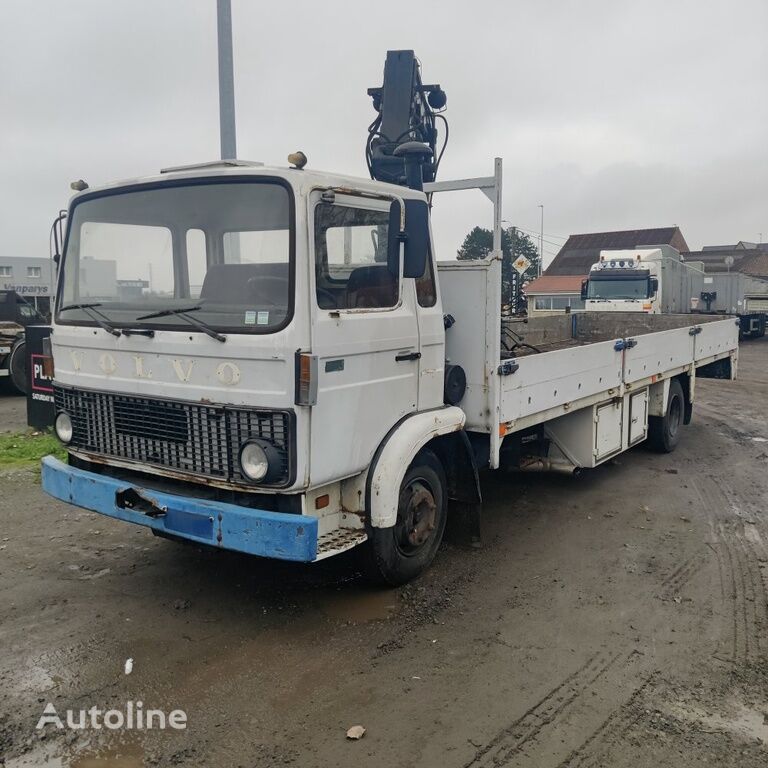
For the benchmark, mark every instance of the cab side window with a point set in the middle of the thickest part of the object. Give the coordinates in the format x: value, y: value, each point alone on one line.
x: 351, y: 270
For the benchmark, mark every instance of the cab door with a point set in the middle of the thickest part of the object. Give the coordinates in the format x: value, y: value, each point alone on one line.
x: 365, y: 336
x: 431, y: 337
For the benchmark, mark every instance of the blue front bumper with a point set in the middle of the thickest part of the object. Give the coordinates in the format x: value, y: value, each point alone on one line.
x: 254, y: 531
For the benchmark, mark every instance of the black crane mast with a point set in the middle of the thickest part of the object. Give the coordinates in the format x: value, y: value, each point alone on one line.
x: 402, y: 140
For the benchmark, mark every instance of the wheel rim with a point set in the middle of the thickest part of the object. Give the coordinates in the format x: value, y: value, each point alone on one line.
x: 416, y: 517
x: 675, y: 416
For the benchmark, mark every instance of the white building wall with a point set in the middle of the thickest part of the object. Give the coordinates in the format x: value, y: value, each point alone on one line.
x: 33, y: 277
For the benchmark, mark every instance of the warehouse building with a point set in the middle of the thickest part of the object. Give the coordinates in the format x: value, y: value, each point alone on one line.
x: 31, y: 277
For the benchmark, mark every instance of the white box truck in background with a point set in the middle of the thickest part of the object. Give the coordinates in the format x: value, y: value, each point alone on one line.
x: 658, y: 281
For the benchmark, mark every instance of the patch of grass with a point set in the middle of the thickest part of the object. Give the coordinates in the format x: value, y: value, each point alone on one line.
x: 26, y: 449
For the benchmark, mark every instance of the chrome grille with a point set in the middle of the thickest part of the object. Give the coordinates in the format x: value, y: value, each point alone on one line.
x: 195, y: 438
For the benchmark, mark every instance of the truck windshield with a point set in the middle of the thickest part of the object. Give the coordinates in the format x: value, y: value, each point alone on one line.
x: 618, y: 288
x: 226, y: 246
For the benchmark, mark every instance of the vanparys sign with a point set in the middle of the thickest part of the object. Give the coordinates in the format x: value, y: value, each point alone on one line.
x: 132, y: 718
x: 28, y: 290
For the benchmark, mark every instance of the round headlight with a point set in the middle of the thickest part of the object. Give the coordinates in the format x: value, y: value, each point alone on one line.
x: 254, y: 461
x: 63, y: 427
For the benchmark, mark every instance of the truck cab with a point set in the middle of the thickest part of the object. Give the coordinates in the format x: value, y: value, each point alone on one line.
x: 625, y: 281
x: 220, y: 328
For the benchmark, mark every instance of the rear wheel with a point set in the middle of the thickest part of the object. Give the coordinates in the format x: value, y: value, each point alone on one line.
x: 398, y: 554
x: 17, y: 366
x: 664, y: 431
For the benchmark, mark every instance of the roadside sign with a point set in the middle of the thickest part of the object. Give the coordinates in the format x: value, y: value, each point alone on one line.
x: 521, y: 264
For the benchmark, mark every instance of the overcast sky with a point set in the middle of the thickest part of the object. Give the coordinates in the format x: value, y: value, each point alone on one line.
x: 613, y: 114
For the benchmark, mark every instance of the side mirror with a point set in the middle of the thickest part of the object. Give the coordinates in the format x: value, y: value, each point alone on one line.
x: 654, y: 286
x: 584, y: 289
x: 415, y: 236
x: 57, y: 230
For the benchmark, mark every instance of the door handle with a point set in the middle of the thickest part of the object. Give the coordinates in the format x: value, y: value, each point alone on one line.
x: 402, y: 356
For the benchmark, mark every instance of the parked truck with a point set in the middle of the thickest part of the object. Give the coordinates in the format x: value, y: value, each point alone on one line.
x: 657, y: 280
x: 301, y: 376
x: 15, y: 314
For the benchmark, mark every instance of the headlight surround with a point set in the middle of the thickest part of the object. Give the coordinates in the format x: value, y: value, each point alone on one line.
x: 63, y: 427
x: 259, y: 461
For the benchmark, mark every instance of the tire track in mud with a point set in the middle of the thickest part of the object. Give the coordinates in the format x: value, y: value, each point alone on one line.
x: 525, y: 729
x: 744, y: 533
x: 742, y: 590
x: 672, y: 585
x: 601, y: 672
x: 743, y: 586
x: 627, y: 715
x: 615, y: 726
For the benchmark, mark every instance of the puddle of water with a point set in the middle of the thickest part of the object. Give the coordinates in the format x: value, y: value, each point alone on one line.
x: 114, y: 757
x: 359, y: 606
x: 49, y: 756
x: 745, y: 722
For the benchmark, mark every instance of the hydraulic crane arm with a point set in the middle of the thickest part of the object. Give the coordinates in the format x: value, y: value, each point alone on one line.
x: 407, y: 111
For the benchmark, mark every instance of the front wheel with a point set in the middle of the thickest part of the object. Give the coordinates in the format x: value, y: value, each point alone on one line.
x: 664, y: 431
x: 398, y: 554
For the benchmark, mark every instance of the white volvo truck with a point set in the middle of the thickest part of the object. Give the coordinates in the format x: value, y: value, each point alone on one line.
x: 271, y: 360
x: 657, y: 280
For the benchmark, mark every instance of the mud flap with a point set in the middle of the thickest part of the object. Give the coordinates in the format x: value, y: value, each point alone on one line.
x: 464, y: 524
x: 464, y: 497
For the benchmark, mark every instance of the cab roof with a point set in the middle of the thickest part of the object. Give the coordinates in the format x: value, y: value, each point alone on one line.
x: 301, y: 179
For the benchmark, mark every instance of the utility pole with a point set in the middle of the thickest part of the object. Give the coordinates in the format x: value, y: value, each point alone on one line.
x: 541, y: 242
x: 514, y: 276
x: 226, y: 80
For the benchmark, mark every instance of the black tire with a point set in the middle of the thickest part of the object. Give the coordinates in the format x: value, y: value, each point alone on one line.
x: 17, y: 366
x: 396, y: 555
x: 664, y: 431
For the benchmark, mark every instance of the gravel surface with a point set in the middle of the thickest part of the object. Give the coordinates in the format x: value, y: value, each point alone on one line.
x: 617, y: 619
x: 13, y: 410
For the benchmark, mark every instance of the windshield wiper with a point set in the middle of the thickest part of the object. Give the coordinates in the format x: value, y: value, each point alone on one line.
x: 89, y: 309
x: 182, y: 312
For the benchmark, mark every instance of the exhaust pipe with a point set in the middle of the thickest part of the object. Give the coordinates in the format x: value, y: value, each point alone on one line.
x: 541, y: 464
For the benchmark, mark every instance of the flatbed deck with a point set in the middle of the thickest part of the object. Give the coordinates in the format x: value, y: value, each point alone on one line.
x: 590, y: 357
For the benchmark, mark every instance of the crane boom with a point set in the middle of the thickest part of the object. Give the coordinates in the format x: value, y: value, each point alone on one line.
x: 408, y: 111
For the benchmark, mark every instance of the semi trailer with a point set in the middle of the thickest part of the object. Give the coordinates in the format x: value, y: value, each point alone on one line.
x: 301, y: 376
x: 657, y: 280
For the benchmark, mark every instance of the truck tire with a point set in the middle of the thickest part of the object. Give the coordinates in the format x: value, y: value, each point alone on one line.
x: 395, y: 555
x: 17, y: 366
x: 664, y: 431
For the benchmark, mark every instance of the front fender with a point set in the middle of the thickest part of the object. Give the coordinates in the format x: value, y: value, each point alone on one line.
x: 396, y: 454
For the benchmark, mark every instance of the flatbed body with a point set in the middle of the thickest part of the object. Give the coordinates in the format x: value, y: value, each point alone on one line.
x: 549, y: 367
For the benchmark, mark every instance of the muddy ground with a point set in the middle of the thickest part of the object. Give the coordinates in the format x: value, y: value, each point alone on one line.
x: 13, y: 410
x: 614, y: 620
